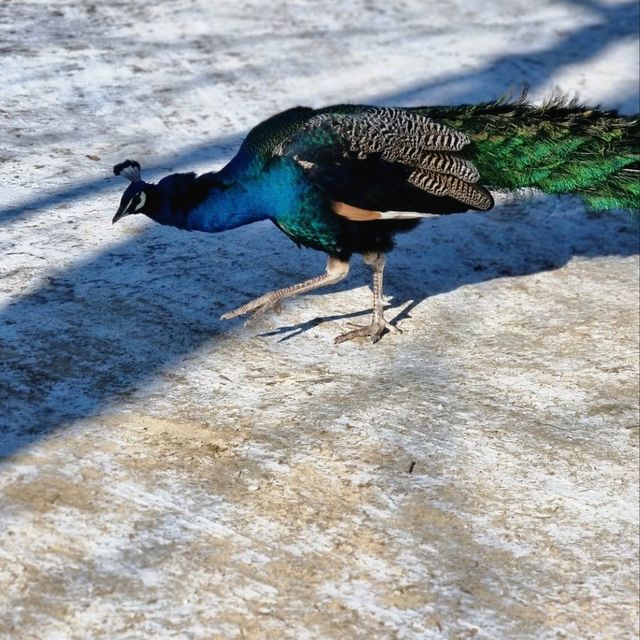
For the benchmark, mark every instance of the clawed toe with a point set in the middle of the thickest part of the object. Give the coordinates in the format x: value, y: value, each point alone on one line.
x: 260, y: 311
x: 337, y: 269
x: 255, y: 308
x: 229, y: 315
x: 375, y: 331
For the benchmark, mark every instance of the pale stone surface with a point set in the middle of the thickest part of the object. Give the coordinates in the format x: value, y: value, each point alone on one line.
x: 167, y: 475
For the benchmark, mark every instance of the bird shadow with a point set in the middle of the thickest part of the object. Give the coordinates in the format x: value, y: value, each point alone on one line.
x: 292, y: 331
x: 517, y: 239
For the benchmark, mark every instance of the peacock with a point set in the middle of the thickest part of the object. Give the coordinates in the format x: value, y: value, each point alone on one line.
x: 345, y: 179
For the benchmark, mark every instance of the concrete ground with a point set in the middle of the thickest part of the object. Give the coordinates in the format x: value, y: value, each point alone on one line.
x: 169, y: 475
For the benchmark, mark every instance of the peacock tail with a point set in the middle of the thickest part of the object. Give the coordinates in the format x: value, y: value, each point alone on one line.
x: 559, y: 147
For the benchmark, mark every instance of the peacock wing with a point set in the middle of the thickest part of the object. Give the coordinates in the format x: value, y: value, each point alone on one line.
x: 387, y: 159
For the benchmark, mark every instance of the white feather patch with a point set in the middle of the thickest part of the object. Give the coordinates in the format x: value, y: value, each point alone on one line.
x: 305, y: 164
x: 143, y: 198
x: 402, y: 215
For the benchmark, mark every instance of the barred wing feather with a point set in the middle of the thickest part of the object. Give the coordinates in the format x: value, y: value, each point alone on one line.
x: 417, y: 156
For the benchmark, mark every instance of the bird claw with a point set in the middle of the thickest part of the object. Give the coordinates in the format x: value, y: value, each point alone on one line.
x: 386, y: 325
x: 232, y: 314
x: 258, y: 312
x: 257, y: 309
x: 375, y: 331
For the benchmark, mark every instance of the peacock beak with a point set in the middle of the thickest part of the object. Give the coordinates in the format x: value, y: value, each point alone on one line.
x: 120, y: 213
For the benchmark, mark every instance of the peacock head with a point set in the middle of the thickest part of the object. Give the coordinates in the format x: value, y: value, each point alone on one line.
x: 137, y: 196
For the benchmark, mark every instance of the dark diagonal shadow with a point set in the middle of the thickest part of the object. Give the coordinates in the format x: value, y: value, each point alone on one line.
x: 105, y: 327
x: 212, y: 151
x: 109, y: 325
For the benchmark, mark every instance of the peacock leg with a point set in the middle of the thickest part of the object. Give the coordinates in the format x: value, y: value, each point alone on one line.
x: 336, y: 270
x: 378, y: 323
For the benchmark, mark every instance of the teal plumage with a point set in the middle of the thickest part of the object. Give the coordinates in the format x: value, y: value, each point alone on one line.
x: 257, y: 148
x: 345, y: 179
x: 559, y: 147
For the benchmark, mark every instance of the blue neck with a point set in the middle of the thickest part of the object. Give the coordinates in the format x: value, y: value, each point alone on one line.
x: 274, y: 193
x: 228, y: 209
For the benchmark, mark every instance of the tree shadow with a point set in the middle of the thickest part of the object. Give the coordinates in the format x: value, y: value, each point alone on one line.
x: 110, y: 325
x: 532, y: 68
x: 212, y: 151
x: 72, y: 345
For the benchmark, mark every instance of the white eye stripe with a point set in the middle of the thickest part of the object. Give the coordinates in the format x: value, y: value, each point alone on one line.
x: 136, y: 203
x: 143, y: 197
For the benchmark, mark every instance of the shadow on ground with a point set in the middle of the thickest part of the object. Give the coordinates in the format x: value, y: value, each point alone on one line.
x: 615, y: 23
x: 109, y: 325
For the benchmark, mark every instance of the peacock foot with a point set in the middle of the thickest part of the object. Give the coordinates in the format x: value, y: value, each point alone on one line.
x: 375, y: 331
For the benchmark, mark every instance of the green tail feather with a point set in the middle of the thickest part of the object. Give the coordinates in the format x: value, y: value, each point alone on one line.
x: 559, y: 147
